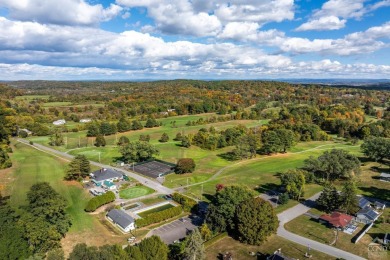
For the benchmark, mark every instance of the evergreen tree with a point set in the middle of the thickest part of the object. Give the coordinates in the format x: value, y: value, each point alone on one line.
x: 151, y: 122
x: 329, y: 199
x: 123, y: 140
x: 123, y: 125
x: 194, y: 249
x: 136, y: 125
x: 164, y: 138
x: 349, y: 202
x: 100, y: 141
x: 56, y: 139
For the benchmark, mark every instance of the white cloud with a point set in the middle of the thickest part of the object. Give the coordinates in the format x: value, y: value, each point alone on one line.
x: 323, y: 23
x: 63, y: 12
x: 334, y: 14
x: 207, y: 18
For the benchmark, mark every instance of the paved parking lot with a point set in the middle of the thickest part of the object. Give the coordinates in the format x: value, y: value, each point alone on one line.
x: 177, y: 229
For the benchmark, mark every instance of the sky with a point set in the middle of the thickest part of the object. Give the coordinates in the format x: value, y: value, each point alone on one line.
x: 194, y: 39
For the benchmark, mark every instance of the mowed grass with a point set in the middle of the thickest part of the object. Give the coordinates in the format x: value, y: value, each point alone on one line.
x: 32, y: 97
x: 262, y: 173
x: 161, y: 208
x: 135, y: 192
x: 242, y: 251
x: 56, y: 104
x: 32, y: 166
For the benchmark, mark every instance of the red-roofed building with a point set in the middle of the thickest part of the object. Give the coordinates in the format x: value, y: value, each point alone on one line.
x: 337, y: 219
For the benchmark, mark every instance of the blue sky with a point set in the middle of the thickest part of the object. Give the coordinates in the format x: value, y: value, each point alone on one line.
x: 197, y: 39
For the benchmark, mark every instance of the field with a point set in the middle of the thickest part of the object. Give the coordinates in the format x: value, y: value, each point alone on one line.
x: 161, y: 208
x: 260, y: 173
x: 135, y: 192
x: 241, y: 251
x: 32, y: 97
x: 31, y: 166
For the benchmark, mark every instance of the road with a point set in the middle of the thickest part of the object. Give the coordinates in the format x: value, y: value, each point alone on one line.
x: 145, y: 181
x: 301, y: 209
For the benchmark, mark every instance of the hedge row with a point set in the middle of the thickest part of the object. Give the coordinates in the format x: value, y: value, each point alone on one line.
x: 100, y: 200
x: 187, y: 203
x: 158, y: 216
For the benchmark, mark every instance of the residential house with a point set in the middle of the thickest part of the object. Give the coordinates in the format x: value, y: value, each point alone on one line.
x: 367, y: 215
x: 59, y: 122
x: 379, y: 205
x: 336, y: 219
x: 385, y: 176
x: 99, y: 176
x: 277, y: 255
x: 363, y: 202
x: 121, y: 219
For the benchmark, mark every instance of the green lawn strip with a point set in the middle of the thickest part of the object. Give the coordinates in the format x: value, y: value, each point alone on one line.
x: 312, y: 229
x: 154, y: 210
x: 33, y: 166
x: 56, y: 104
x: 273, y: 243
x: 135, y: 192
x: 32, y: 97
x: 151, y: 201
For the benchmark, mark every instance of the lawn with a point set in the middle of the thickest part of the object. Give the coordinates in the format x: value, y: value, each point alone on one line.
x: 32, y: 166
x: 153, y: 200
x: 154, y: 210
x: 273, y: 243
x: 56, y: 104
x: 32, y: 97
x: 307, y: 227
x: 262, y: 173
x: 135, y: 192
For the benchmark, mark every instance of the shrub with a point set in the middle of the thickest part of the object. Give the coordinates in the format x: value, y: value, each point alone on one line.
x: 187, y: 203
x: 164, y: 138
x: 283, y: 198
x: 99, y: 201
x: 185, y: 165
x: 158, y: 216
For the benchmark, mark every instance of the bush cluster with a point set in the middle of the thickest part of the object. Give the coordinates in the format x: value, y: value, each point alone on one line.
x: 187, y: 203
x: 158, y: 216
x: 99, y: 201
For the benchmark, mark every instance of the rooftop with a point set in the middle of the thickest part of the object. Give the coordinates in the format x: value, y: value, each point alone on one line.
x: 363, y: 202
x: 337, y: 219
x: 369, y: 213
x: 105, y: 174
x: 385, y: 175
x: 120, y: 217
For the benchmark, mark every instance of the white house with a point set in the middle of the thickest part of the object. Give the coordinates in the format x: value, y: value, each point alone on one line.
x: 85, y: 120
x: 121, y: 219
x: 59, y: 122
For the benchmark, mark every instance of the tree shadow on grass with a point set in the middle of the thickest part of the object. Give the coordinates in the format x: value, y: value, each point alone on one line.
x: 376, y: 193
x: 229, y: 156
x: 268, y: 187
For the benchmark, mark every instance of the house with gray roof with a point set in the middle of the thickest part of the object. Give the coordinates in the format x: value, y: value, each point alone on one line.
x: 363, y: 202
x: 121, y: 219
x: 367, y: 215
x: 99, y: 176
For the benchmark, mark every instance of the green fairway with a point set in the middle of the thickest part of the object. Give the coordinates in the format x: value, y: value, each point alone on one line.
x: 262, y: 172
x: 56, y: 104
x: 154, y: 210
x: 32, y: 166
x: 135, y: 192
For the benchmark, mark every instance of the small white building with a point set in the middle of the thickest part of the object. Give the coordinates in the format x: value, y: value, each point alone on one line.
x: 59, y: 122
x: 85, y: 120
x: 121, y: 219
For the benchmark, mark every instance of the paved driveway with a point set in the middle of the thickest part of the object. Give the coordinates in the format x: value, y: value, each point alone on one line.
x: 176, y: 230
